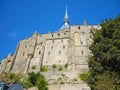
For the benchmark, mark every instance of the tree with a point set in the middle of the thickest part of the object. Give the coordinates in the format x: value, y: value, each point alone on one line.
x: 105, y: 61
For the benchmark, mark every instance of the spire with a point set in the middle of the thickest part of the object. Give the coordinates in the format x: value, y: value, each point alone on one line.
x: 66, y: 16
x: 66, y: 22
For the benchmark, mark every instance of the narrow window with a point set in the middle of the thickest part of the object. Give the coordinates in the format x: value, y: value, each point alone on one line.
x: 78, y: 27
x: 51, y: 47
x: 61, y: 40
x: 59, y: 52
x: 52, y: 35
x: 82, y: 52
x: 48, y: 53
x: 63, y: 46
x: 39, y: 52
x: 23, y: 53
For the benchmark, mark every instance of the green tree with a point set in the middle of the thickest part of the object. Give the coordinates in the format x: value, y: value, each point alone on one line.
x: 105, y: 63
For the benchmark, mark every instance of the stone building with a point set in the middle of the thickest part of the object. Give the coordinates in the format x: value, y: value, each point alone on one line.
x: 69, y: 45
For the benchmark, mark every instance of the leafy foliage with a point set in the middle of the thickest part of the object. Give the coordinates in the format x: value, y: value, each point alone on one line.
x: 41, y: 83
x: 105, y: 63
x: 44, y: 69
x: 11, y: 78
x: 36, y: 79
x: 54, y: 66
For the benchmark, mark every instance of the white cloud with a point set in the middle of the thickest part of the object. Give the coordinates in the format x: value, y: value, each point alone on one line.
x: 12, y: 34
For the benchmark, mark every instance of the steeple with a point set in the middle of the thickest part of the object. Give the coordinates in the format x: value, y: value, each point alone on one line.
x: 66, y: 22
x: 66, y: 16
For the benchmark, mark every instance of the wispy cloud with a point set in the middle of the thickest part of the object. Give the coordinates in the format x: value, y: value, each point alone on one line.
x: 12, y: 34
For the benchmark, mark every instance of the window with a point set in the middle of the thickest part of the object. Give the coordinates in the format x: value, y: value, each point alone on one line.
x: 65, y: 34
x: 48, y: 53
x: 51, y: 47
x: 61, y: 40
x: 81, y: 42
x: 63, y: 46
x: 39, y: 52
x: 59, y: 52
x: 58, y: 34
x: 52, y: 35
x: 78, y: 27
x: 23, y: 53
x: 82, y: 52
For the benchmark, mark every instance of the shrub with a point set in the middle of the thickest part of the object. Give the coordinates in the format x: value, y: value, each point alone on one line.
x: 84, y: 76
x: 44, y: 69
x: 33, y: 67
x: 41, y: 83
x: 66, y: 65
x: 26, y: 84
x: 60, y: 68
x: 54, y: 66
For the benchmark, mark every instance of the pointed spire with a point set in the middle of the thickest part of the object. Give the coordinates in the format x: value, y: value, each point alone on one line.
x: 66, y: 16
x: 66, y: 22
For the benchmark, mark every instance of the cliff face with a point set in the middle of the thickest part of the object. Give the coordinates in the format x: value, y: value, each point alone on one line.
x: 68, y: 46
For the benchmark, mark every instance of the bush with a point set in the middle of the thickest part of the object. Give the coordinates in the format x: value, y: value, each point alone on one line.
x: 11, y: 78
x: 33, y: 67
x: 54, y: 66
x: 44, y: 69
x: 84, y: 76
x: 66, y: 65
x: 60, y: 68
x: 26, y: 84
x: 41, y: 83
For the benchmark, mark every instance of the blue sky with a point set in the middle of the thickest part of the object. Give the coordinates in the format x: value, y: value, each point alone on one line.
x: 20, y: 18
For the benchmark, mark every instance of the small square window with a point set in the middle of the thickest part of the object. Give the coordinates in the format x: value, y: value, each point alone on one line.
x: 82, y: 52
x: 59, y: 52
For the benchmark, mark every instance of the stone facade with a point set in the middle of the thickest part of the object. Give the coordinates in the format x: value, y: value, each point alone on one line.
x: 68, y: 46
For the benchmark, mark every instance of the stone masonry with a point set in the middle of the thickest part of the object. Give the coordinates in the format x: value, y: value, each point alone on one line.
x: 68, y: 46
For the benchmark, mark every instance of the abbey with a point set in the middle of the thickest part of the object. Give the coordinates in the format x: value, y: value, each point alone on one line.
x: 68, y: 46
